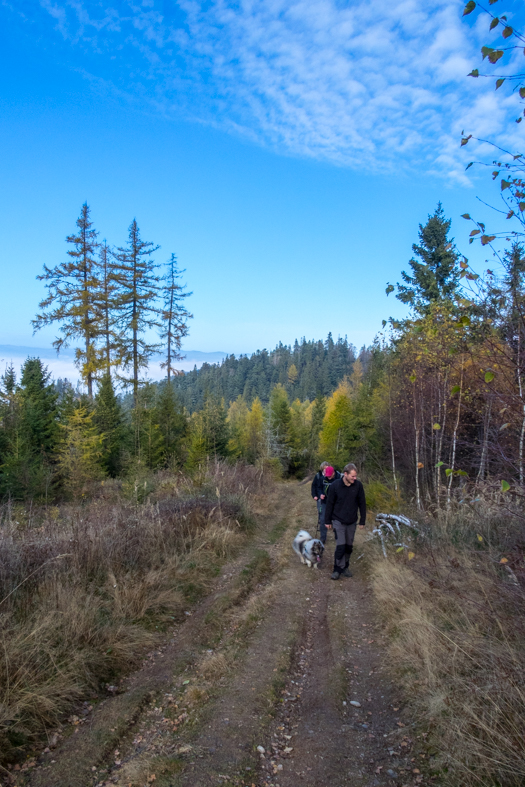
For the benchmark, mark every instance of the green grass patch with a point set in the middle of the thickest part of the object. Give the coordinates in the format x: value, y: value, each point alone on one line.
x: 258, y: 569
x: 193, y: 591
x: 277, y: 531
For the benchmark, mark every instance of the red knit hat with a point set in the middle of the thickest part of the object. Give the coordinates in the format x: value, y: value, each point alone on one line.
x: 329, y: 471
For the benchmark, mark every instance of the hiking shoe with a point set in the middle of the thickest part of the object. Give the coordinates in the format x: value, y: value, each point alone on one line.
x: 335, y: 575
x: 346, y: 573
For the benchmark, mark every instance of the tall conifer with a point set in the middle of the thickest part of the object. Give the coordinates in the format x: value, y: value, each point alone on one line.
x: 138, y: 312
x: 435, y: 275
x: 108, y: 420
x: 7, y: 411
x: 255, y: 431
x: 148, y: 442
x: 80, y: 452
x: 107, y: 303
x: 174, y: 316
x: 209, y: 432
x: 27, y: 468
x: 71, y: 289
x: 172, y: 421
x: 39, y: 406
x: 279, y: 426
x: 337, y: 421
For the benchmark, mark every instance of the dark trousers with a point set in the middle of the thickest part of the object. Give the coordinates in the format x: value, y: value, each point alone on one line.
x: 344, y: 535
x: 323, y: 532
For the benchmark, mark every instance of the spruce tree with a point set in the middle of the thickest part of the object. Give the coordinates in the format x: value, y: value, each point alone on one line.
x: 300, y: 417
x: 7, y: 397
x: 174, y: 316
x: 137, y: 308
x: 215, y: 428
x: 436, y: 275
x: 173, y: 423
x: 509, y: 296
x: 279, y: 426
x: 209, y: 432
x: 107, y: 305
x: 80, y: 453
x: 8, y: 382
x: 255, y: 432
x: 7, y: 411
x: 197, y: 446
x: 67, y: 399
x: 39, y: 411
x: 108, y: 420
x: 28, y: 464
x: 72, y: 288
x: 148, y: 440
x: 237, y: 424
x: 318, y: 413
x: 279, y: 414
x: 337, y: 422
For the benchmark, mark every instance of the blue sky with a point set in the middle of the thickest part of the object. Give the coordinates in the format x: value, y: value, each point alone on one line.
x: 285, y: 151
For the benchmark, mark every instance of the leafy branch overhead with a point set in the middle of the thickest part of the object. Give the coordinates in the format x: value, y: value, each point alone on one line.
x: 494, y: 55
x: 508, y: 168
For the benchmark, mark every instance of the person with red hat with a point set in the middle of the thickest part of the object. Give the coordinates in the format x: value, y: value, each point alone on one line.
x: 329, y: 476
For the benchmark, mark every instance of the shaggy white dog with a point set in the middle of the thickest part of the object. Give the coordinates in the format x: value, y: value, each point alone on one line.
x: 309, y: 549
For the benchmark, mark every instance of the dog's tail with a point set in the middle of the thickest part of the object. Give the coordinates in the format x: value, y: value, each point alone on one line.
x: 303, y: 535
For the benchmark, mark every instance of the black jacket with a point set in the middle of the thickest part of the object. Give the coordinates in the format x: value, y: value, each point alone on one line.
x: 344, y: 502
x: 317, y: 484
x: 321, y: 485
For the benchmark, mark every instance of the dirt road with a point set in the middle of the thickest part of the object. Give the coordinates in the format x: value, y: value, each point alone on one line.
x: 277, y: 678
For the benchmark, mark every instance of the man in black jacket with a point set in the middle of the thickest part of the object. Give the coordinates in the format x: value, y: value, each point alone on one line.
x: 320, y: 486
x: 346, y: 498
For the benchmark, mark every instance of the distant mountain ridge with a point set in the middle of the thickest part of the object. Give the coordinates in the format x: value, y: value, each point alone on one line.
x: 202, y: 357
x: 63, y: 365
x: 8, y: 351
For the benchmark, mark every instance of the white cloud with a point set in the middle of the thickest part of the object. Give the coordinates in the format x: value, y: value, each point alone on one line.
x: 364, y: 83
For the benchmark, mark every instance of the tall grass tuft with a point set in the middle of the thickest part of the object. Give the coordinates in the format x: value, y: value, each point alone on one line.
x: 456, y: 616
x: 85, y: 590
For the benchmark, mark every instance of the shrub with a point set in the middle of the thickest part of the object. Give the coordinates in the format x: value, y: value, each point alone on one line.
x: 380, y: 497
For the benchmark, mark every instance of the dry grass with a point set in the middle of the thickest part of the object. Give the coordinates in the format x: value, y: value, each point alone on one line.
x: 457, y: 625
x: 86, y: 590
x: 213, y: 666
x: 235, y: 617
x: 254, y: 610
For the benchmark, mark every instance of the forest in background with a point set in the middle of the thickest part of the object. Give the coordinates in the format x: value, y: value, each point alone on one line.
x: 305, y: 370
x: 435, y: 407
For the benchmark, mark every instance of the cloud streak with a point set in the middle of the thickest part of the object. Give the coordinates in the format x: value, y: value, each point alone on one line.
x: 364, y: 84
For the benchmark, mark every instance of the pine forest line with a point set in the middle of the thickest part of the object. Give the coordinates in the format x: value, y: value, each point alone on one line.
x: 434, y: 406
